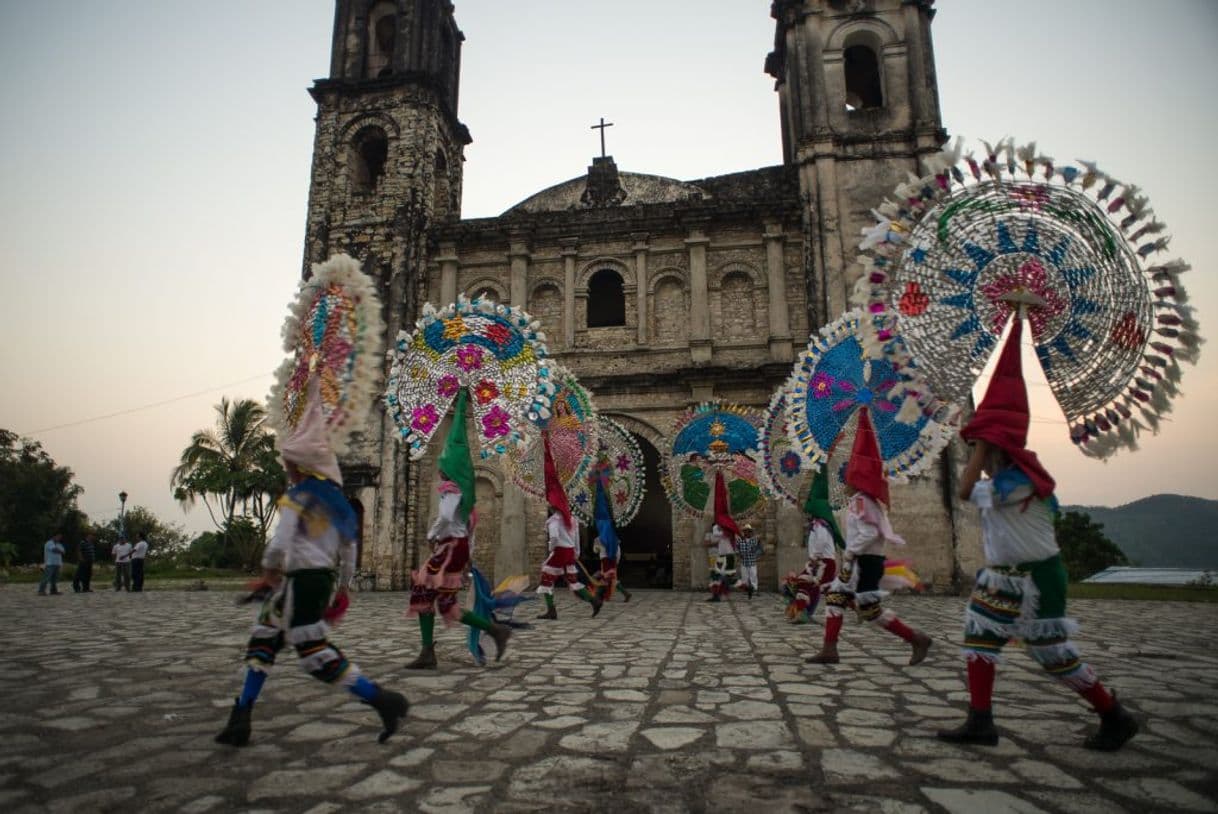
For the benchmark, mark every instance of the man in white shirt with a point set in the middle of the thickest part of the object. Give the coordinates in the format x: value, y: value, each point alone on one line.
x: 122, y: 565
x: 138, y: 554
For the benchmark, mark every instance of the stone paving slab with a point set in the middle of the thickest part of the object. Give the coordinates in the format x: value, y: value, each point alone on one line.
x: 665, y: 704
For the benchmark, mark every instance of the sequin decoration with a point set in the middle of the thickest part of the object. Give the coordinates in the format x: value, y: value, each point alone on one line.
x: 841, y: 371
x: 494, y: 351
x: 619, y: 466
x: 955, y: 254
x: 715, y: 437
x: 572, y: 428
x: 333, y: 333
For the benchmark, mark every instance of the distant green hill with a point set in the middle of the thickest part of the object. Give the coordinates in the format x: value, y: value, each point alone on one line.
x: 1162, y: 531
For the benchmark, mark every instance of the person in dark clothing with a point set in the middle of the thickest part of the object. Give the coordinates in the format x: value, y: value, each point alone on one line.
x: 85, y: 556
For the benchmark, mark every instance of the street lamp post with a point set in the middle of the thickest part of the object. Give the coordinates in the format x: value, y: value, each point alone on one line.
x: 122, y: 510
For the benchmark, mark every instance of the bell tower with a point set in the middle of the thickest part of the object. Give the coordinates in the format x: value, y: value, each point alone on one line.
x: 387, y: 161
x: 859, y: 107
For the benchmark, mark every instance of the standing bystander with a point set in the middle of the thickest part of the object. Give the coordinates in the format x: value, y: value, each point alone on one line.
x: 138, y: 555
x: 748, y: 551
x: 85, y: 555
x: 122, y: 565
x: 52, y: 561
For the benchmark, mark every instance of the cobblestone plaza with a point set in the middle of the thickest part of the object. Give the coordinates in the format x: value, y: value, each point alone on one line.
x: 666, y: 703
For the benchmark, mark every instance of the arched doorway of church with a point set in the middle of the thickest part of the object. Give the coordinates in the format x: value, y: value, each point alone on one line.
x: 647, y: 539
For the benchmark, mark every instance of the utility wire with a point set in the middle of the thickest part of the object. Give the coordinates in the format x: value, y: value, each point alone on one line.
x: 130, y: 410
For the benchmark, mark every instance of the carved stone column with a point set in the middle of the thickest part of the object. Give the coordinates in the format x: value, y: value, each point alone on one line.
x: 640, y: 276
x: 776, y: 281
x: 699, y: 298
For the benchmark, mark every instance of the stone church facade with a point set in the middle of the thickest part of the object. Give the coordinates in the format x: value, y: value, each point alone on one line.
x: 657, y: 293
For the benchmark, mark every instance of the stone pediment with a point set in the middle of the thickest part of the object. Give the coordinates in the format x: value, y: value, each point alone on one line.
x: 596, y: 190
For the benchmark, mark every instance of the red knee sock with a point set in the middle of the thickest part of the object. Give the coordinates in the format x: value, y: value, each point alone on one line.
x: 1099, y: 697
x: 833, y: 627
x: 895, y: 625
x: 980, y: 684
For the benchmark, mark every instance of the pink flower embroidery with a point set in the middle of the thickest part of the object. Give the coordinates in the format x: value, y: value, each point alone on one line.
x: 425, y: 418
x: 822, y: 385
x: 1030, y: 276
x: 495, y: 422
x: 447, y: 386
x: 469, y: 357
x: 623, y: 463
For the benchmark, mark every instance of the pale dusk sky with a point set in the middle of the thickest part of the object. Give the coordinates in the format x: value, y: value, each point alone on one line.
x: 155, y: 156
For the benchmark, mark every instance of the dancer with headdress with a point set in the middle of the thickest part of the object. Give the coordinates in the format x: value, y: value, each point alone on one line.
x: 722, y: 538
x: 824, y: 538
x: 333, y: 335
x: 1021, y: 593
x: 563, y: 534
x: 607, y: 546
x: 434, y: 587
x: 867, y: 531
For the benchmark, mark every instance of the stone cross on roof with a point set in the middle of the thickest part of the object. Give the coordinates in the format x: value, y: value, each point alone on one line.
x: 601, y: 127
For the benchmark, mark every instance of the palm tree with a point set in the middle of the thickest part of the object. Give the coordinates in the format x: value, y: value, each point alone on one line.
x: 231, y: 468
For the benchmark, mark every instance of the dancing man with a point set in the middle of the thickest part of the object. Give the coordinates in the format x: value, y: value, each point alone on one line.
x: 867, y: 530
x: 563, y: 534
x: 435, y: 586
x: 1021, y: 593
x: 824, y: 537
x: 317, y: 527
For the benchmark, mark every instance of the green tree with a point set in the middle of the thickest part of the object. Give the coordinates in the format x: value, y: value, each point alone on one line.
x: 164, y: 539
x: 37, y: 497
x: 1085, y: 549
x: 234, y: 470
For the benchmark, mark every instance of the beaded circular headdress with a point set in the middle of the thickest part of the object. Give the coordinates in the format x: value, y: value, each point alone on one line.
x: 710, y: 438
x: 843, y: 370
x: 493, y: 350
x: 955, y: 253
x: 786, y: 472
x: 619, y: 467
x: 333, y: 333
x: 572, y: 427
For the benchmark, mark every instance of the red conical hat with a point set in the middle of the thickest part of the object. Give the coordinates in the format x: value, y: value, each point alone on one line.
x: 1002, y: 418
x: 865, y: 471
x: 723, y: 517
x: 556, y: 496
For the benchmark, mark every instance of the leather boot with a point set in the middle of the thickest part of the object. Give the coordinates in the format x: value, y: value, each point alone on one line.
x: 978, y: 728
x: 426, y: 659
x: 921, y: 646
x: 551, y: 613
x: 597, y: 604
x: 392, y: 707
x: 237, y: 731
x: 501, y: 634
x: 1116, y: 727
x: 827, y: 655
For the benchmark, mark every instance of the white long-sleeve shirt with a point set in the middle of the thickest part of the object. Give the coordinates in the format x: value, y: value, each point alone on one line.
x: 867, y: 527
x: 299, y: 543
x: 820, y: 543
x: 1017, y: 530
x: 448, y: 522
x: 561, y: 535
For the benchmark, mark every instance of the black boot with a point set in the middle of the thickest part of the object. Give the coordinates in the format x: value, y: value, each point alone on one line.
x: 237, y: 731
x: 426, y: 659
x: 978, y: 729
x: 1116, y: 727
x: 597, y: 604
x: 550, y: 613
x: 392, y: 707
x: 501, y: 634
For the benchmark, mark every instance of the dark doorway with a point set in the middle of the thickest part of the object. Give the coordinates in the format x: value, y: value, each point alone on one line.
x: 647, y: 539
